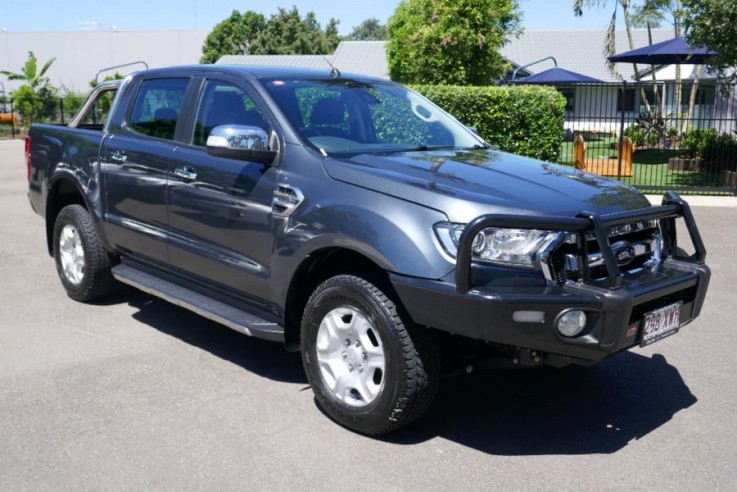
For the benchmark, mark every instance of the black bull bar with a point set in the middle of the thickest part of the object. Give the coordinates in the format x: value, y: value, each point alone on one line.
x: 672, y: 208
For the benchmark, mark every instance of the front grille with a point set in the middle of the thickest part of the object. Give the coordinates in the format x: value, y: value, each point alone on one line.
x: 636, y: 245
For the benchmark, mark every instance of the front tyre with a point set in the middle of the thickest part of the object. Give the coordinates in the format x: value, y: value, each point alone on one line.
x: 371, y: 371
x: 82, y: 263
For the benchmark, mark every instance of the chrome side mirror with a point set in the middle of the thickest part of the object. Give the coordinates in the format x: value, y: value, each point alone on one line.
x: 242, y: 142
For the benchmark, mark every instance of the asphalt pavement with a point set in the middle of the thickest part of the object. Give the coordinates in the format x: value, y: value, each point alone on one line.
x: 136, y: 394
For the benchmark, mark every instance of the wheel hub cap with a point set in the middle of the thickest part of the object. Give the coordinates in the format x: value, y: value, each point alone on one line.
x: 71, y: 254
x: 350, y: 356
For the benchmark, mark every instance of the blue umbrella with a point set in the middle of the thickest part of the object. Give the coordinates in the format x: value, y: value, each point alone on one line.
x: 557, y: 76
x: 674, y: 51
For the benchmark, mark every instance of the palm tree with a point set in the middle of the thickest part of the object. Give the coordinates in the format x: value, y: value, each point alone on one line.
x: 651, y: 14
x: 29, y: 73
x: 34, y: 95
x: 610, y: 47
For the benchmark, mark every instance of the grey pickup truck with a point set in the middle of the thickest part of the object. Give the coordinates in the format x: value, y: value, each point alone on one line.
x: 351, y: 219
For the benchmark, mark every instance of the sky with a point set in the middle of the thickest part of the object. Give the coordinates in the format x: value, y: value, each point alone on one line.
x: 73, y: 15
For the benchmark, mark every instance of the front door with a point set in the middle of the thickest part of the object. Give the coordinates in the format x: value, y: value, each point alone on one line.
x: 220, y: 209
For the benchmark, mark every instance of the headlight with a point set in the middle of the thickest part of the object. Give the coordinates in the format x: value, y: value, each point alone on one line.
x: 508, y: 247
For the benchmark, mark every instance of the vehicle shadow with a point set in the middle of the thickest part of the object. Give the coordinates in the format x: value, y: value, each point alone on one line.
x: 267, y: 359
x: 575, y: 410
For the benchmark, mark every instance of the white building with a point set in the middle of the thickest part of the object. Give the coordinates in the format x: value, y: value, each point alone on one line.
x: 81, y: 54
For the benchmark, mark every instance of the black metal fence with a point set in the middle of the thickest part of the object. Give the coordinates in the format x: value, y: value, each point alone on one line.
x: 684, y: 137
x: 8, y: 119
x: 61, y: 110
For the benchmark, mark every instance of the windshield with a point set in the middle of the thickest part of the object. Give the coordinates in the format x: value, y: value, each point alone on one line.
x: 340, y: 116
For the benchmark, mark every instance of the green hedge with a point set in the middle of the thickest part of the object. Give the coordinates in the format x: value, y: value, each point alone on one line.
x: 525, y: 120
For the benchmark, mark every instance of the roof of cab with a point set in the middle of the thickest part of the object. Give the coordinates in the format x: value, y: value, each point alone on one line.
x: 261, y: 72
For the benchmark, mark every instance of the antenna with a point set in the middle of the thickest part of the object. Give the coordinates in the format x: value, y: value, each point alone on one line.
x: 334, y: 72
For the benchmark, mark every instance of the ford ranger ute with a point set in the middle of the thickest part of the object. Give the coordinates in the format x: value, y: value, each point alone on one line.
x: 351, y: 219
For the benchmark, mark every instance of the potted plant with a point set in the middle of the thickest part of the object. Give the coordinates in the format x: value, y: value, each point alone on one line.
x: 720, y: 157
x: 692, y: 145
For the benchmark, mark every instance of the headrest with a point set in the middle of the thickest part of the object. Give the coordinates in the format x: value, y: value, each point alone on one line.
x: 328, y: 111
x: 165, y: 114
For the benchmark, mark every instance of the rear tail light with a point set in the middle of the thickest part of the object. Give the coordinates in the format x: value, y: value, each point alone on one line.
x: 28, y: 158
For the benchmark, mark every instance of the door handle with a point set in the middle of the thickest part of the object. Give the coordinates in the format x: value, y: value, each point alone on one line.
x: 186, y: 173
x: 118, y: 156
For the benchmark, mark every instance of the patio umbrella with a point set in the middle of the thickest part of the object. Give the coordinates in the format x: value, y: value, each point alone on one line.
x: 674, y: 51
x: 557, y: 76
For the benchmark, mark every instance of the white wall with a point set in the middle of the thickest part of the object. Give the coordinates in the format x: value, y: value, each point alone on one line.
x: 595, y: 109
x: 80, y: 54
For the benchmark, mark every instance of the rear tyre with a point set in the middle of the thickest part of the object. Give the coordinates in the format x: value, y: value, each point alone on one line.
x: 82, y: 263
x: 371, y: 370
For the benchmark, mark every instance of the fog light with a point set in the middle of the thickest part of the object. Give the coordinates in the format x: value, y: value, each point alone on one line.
x: 572, y: 323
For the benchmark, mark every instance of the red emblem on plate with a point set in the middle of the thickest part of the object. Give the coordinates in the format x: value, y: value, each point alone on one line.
x: 632, y: 330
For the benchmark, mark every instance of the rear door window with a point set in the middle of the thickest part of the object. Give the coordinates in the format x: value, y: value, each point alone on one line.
x: 158, y: 106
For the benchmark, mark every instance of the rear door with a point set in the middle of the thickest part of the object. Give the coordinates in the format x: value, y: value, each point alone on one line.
x: 220, y: 209
x: 135, y: 164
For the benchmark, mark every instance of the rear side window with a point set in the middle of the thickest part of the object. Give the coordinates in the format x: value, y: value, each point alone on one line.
x: 157, y: 107
x: 96, y: 115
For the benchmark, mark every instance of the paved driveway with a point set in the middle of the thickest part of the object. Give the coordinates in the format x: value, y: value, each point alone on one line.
x: 137, y: 394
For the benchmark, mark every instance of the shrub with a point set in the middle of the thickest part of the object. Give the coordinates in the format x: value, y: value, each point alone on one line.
x: 523, y: 120
x: 636, y: 133
x: 694, y: 142
x: 653, y: 139
x: 720, y: 151
x: 71, y: 102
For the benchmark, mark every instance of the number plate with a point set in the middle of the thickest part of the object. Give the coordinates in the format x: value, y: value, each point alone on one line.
x: 661, y: 323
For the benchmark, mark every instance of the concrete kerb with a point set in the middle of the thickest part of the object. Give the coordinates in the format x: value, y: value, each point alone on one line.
x: 693, y: 200
x: 700, y: 200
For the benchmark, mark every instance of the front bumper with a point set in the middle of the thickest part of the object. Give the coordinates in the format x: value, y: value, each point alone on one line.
x: 615, y: 306
x: 614, y: 316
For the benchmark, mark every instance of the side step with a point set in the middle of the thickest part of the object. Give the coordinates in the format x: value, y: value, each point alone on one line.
x: 234, y: 318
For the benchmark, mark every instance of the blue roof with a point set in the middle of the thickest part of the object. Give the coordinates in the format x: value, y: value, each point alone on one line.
x: 557, y: 75
x: 674, y: 51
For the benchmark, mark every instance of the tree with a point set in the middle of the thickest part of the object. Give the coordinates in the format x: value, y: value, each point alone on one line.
x: 71, y: 101
x: 108, y: 78
x: 450, y: 43
x: 35, y: 99
x: 713, y: 23
x: 610, y: 45
x: 369, y: 30
x: 651, y: 14
x: 233, y: 36
x: 287, y: 33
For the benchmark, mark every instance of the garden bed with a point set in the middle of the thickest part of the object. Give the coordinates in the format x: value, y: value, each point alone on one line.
x: 695, y: 165
x: 729, y: 179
